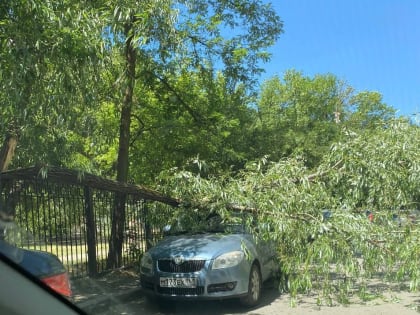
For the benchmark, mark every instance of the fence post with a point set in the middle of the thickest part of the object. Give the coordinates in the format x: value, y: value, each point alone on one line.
x: 90, y: 233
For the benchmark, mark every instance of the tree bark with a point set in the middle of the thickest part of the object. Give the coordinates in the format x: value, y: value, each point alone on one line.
x: 118, y: 211
x: 7, y: 151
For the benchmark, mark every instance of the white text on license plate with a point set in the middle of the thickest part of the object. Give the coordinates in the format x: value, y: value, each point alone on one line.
x: 178, y: 282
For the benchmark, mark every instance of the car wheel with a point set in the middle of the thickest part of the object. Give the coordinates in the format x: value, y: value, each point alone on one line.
x: 254, y: 287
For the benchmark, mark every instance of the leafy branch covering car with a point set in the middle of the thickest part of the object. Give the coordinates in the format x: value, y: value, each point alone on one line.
x: 210, y: 259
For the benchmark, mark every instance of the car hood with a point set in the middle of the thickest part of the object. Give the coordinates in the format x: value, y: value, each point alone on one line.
x: 203, y: 246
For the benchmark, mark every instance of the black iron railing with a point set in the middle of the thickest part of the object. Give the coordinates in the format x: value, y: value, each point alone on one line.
x: 73, y: 222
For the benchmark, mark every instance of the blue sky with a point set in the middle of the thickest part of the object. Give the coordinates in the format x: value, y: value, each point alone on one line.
x: 372, y: 45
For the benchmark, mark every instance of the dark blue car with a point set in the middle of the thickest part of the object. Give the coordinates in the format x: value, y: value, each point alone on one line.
x: 45, y: 266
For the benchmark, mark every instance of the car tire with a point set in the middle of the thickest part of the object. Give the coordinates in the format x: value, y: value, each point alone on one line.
x: 254, y: 287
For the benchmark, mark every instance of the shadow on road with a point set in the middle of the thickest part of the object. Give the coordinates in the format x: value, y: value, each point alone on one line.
x: 216, y: 307
x: 137, y: 303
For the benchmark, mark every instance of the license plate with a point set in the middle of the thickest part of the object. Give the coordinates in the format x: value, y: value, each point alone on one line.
x: 178, y: 282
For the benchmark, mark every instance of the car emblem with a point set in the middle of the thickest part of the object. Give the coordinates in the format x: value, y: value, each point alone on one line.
x: 178, y: 260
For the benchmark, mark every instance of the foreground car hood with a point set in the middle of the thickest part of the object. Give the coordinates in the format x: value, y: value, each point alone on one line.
x: 204, y: 246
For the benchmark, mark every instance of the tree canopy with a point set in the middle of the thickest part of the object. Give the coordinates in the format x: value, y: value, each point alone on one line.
x: 49, y: 53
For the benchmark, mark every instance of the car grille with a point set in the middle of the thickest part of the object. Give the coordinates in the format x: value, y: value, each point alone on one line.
x: 168, y: 265
x: 181, y: 291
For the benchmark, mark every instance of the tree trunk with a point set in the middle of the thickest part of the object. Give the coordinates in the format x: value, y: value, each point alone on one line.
x: 118, y: 211
x: 7, y: 151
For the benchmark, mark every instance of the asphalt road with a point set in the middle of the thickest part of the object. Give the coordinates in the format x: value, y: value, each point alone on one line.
x: 273, y: 303
x: 119, y: 294
x: 141, y: 305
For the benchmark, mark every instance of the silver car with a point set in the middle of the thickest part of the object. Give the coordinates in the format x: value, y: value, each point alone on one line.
x: 214, y: 261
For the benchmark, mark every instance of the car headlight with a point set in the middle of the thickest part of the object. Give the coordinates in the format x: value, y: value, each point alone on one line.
x: 146, y: 264
x: 227, y: 260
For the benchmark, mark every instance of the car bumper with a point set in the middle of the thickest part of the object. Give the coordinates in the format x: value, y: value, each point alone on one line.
x: 211, y: 284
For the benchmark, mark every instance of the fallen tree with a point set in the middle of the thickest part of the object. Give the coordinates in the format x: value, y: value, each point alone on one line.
x: 367, y: 173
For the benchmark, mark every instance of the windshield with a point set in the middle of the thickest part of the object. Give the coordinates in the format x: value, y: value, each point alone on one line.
x: 212, y: 223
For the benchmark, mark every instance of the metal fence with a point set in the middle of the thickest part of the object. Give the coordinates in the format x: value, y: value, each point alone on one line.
x: 74, y: 223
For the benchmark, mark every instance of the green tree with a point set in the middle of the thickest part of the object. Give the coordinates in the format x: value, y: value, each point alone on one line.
x: 48, y: 57
x: 215, y: 127
x: 304, y: 115
x: 162, y: 38
x: 299, y: 115
x: 367, y: 111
